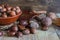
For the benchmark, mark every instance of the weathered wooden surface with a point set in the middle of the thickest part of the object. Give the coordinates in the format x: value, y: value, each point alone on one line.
x: 40, y: 35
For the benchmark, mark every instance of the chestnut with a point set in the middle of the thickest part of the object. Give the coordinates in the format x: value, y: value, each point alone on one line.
x: 11, y: 33
x: 33, y: 30
x: 24, y: 22
x: 47, y: 21
x: 21, y: 27
x: 9, y: 8
x: 44, y: 28
x: 52, y: 15
x: 18, y: 9
x: 4, y: 15
x: 0, y: 7
x: 4, y: 10
x: 19, y: 34
x: 14, y: 28
x: 26, y: 31
x: 33, y: 24
x: 14, y: 9
x: 1, y: 33
x: 13, y: 13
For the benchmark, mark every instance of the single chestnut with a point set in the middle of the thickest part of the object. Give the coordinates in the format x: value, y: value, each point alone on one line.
x: 33, y: 30
x: 11, y: 33
x: 4, y: 10
x: 24, y: 22
x: 33, y: 24
x: 17, y: 7
x: 19, y: 34
x: 26, y: 31
x: 13, y: 13
x: 44, y: 28
x: 9, y: 8
x: 47, y: 21
x: 4, y: 15
x: 0, y: 7
x: 14, y: 9
x: 1, y: 33
x: 18, y: 10
x: 14, y: 28
x: 52, y: 15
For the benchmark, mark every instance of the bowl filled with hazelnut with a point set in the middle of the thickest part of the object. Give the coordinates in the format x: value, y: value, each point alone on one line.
x: 9, y: 14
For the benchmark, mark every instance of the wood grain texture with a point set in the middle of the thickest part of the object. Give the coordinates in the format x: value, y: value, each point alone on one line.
x: 40, y: 35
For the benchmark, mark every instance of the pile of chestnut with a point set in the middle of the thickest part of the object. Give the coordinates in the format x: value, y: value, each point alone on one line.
x: 9, y: 11
x: 19, y: 30
x: 25, y: 27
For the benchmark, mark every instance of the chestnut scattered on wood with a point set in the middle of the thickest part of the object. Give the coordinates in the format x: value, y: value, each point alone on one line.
x: 47, y: 21
x: 52, y: 15
x: 19, y: 34
x: 14, y: 28
x: 1, y: 33
x: 33, y: 24
x: 24, y: 22
x: 11, y: 33
x: 26, y: 31
x: 33, y: 30
x: 44, y: 28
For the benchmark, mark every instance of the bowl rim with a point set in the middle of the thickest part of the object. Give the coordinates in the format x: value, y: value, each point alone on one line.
x: 12, y: 17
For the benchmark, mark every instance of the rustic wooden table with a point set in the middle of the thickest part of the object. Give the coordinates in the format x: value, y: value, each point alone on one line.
x: 40, y: 35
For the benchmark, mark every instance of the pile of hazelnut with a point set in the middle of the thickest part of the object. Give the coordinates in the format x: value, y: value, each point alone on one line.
x: 8, y: 11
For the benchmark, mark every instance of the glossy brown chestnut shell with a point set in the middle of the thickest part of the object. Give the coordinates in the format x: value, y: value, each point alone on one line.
x: 19, y: 34
x: 26, y: 31
x: 14, y: 28
x: 11, y: 33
